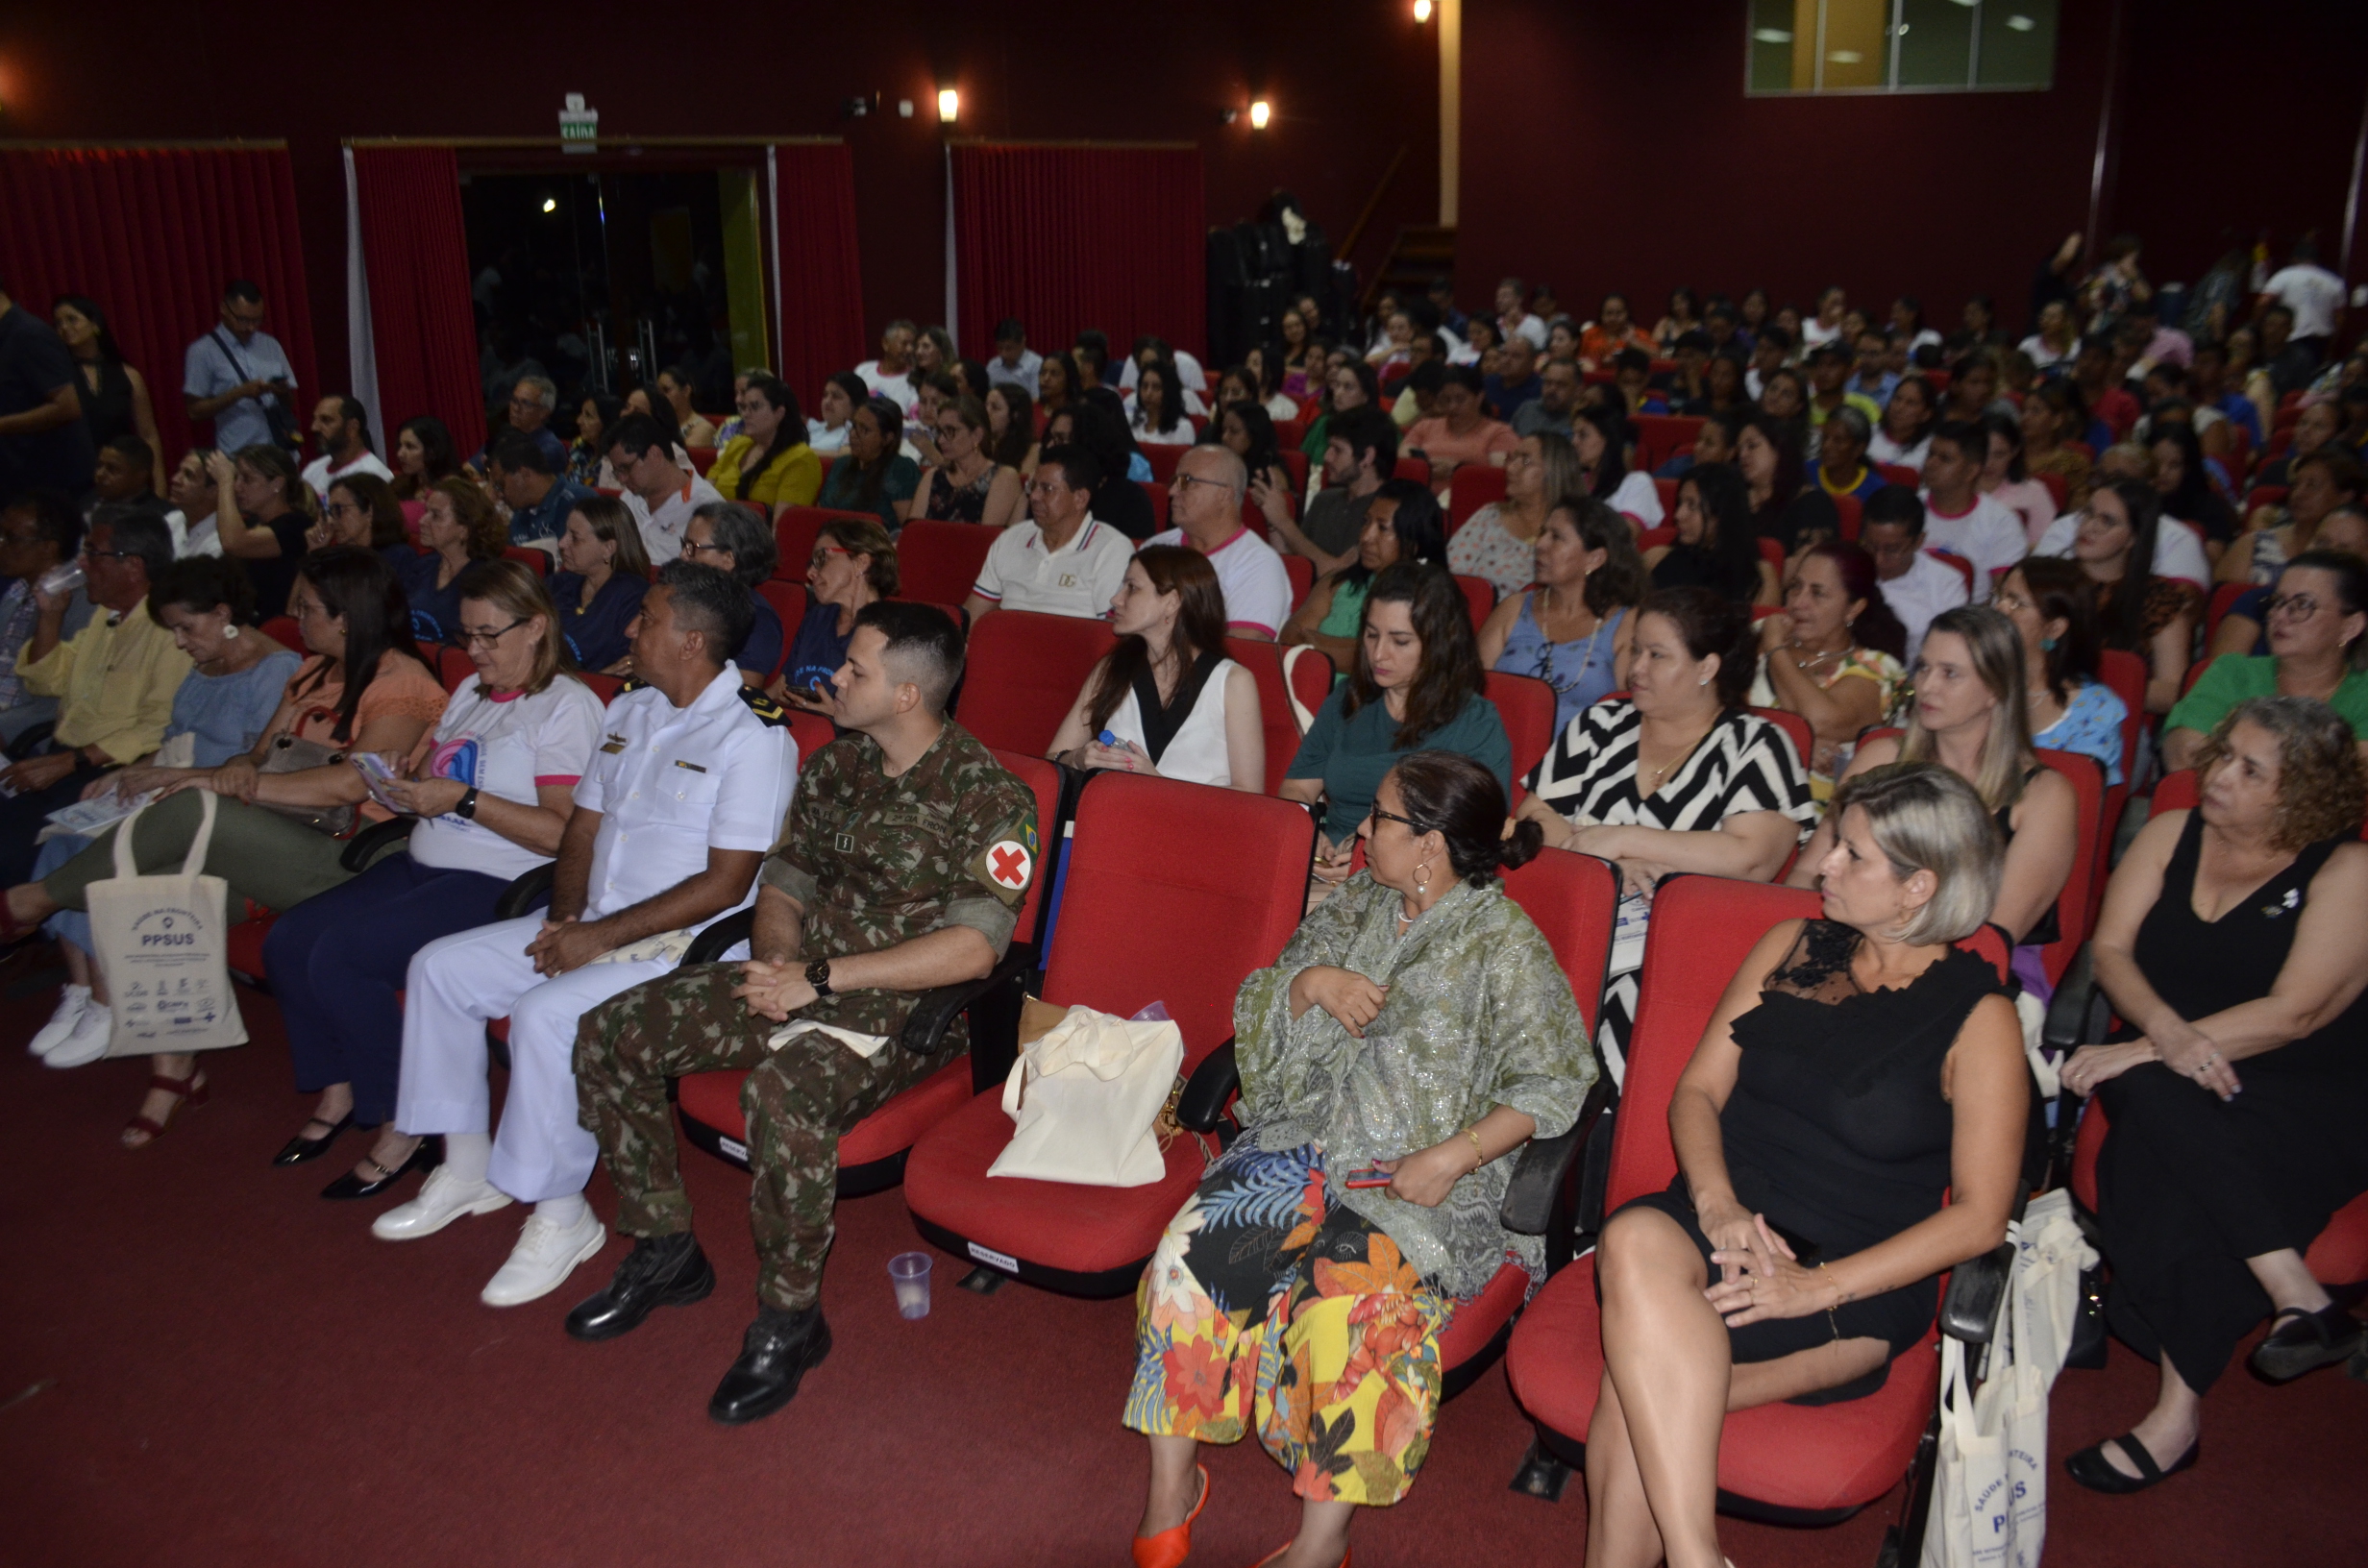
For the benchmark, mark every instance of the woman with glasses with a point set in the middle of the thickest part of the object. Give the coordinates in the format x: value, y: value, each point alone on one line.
x: 1573, y: 627
x: 769, y: 463
x: 736, y: 541
x: 2114, y: 544
x: 854, y: 564
x: 2318, y: 647
x: 1499, y: 542
x: 492, y: 789
x: 285, y: 802
x: 361, y: 510
x: 874, y: 475
x: 457, y: 525
x: 2056, y: 616
x: 1402, y: 523
x: 603, y: 573
x: 965, y: 484
x: 2244, y: 625
x: 1413, y: 1034
x: 1678, y: 775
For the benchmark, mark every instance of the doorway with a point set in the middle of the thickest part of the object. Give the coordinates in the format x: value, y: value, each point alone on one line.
x: 603, y: 278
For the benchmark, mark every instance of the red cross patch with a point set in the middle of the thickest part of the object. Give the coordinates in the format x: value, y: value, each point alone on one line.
x: 1008, y: 863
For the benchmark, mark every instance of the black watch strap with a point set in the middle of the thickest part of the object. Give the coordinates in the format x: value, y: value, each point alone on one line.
x: 818, y: 975
x: 467, y: 809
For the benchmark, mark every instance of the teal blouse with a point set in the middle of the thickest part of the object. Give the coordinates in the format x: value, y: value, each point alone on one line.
x: 1351, y: 754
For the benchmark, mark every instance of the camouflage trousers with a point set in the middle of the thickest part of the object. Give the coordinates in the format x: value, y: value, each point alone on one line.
x: 798, y: 1100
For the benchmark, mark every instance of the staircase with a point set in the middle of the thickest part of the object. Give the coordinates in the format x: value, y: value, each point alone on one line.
x: 1419, y: 255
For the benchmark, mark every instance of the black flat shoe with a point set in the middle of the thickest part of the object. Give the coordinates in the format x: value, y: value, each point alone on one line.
x: 425, y: 1157
x: 2301, y: 1341
x: 300, y: 1148
x: 2094, y: 1471
x: 660, y: 1271
x: 779, y: 1349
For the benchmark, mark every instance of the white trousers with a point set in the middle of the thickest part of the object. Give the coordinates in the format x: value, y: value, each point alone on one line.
x: 456, y: 985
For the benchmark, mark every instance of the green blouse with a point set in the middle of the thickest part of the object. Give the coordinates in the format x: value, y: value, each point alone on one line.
x: 1477, y: 1016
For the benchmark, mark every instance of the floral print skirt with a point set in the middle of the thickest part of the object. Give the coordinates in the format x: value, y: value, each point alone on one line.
x: 1266, y: 1310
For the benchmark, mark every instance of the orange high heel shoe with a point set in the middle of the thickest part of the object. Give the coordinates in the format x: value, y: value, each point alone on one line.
x: 1171, y: 1546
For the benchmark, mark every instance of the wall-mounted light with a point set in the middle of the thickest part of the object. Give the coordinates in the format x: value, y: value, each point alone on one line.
x: 1260, y: 111
x: 1423, y: 11
x: 550, y: 204
x: 948, y: 105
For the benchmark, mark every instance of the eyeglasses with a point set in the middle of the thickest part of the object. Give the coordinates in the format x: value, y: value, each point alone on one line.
x: 708, y: 549
x: 2009, y: 601
x: 487, y: 639
x: 335, y: 507
x: 126, y: 555
x: 1380, y: 816
x: 1183, y: 479
x: 2297, y: 607
x: 823, y: 553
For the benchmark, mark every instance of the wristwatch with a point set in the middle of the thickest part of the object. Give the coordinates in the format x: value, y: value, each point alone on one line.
x: 466, y: 810
x: 818, y: 975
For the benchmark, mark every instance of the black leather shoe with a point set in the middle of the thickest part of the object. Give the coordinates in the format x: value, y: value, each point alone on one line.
x: 779, y: 1349
x: 300, y: 1148
x: 2300, y: 1343
x: 660, y: 1271
x: 2094, y: 1471
x: 425, y: 1157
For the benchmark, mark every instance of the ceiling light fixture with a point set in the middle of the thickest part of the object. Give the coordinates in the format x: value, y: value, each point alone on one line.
x: 1260, y: 111
x: 1423, y: 11
x: 948, y: 105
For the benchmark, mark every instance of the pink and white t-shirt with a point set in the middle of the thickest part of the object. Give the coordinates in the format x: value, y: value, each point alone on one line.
x: 508, y: 746
x: 1985, y: 533
x: 1257, y: 589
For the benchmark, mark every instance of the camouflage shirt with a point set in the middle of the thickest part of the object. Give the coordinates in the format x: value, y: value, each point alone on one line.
x: 876, y: 861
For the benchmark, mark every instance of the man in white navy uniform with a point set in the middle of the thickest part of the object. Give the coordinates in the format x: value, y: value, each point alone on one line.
x: 682, y: 800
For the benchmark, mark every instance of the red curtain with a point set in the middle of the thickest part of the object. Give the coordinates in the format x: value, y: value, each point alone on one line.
x: 423, y: 328
x: 821, y: 274
x: 1070, y: 238
x: 152, y: 233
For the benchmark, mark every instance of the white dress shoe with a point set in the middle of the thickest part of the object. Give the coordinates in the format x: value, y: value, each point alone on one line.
x: 87, y: 1041
x: 73, y: 1003
x: 546, y: 1252
x: 442, y: 1199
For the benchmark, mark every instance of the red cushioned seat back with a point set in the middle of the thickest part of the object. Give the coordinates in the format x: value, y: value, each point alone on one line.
x: 1175, y: 892
x: 1797, y: 729
x: 536, y: 561
x: 1416, y: 468
x: 603, y: 687
x: 939, y: 561
x: 812, y: 732
x: 1276, y: 723
x: 1666, y: 490
x: 1703, y: 928
x: 1303, y: 574
x: 702, y: 458
x: 2177, y: 791
x: 1025, y: 671
x: 1163, y: 459
x: 789, y: 601
x: 795, y: 528
x: 1895, y: 473
x: 1044, y: 781
x: 1479, y: 599
x: 1661, y: 437
x: 281, y: 630
x: 2077, y: 905
x: 2125, y: 674
x: 451, y: 667
x: 1571, y: 900
x: 1526, y: 705
x: 1846, y: 508
x: 1157, y: 495
x: 1475, y: 485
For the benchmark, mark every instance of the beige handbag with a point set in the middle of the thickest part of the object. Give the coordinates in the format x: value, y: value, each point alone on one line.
x: 161, y: 943
x: 290, y: 755
x: 1086, y: 1100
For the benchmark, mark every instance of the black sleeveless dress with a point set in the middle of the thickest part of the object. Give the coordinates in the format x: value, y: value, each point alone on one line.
x: 1837, y: 1130
x: 2188, y: 1187
x: 108, y: 410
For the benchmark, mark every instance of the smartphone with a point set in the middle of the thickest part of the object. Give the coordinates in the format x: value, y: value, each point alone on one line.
x: 374, y: 774
x: 1357, y: 1181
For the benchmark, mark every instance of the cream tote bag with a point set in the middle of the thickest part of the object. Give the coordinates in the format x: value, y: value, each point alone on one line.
x: 1989, y: 1488
x: 1085, y: 1099
x: 161, y: 942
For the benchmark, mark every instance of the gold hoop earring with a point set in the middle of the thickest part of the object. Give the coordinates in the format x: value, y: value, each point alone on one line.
x: 1422, y: 877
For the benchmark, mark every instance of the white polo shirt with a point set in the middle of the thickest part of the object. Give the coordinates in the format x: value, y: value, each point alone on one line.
x: 320, y: 475
x: 663, y: 531
x: 1079, y: 580
x: 1257, y: 589
x: 671, y: 783
x: 1921, y: 592
x: 1987, y: 533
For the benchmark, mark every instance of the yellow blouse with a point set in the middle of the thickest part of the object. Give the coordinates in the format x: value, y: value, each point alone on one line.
x: 792, y: 479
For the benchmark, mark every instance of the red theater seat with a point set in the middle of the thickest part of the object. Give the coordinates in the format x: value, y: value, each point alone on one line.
x: 1475, y: 485
x: 1025, y: 671
x: 1479, y: 598
x: 1138, y: 864
x: 1526, y: 705
x: 1280, y: 723
x: 939, y: 561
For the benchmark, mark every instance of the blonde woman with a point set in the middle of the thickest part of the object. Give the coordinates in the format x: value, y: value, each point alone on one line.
x: 1499, y: 542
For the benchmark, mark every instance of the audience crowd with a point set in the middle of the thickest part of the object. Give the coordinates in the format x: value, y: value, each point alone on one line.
x: 1827, y: 596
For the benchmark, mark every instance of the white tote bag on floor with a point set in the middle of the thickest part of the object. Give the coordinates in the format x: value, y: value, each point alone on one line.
x: 1989, y: 1486
x: 1085, y: 1099
x: 161, y: 942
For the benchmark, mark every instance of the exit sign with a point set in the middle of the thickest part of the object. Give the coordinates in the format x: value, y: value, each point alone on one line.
x: 579, y: 128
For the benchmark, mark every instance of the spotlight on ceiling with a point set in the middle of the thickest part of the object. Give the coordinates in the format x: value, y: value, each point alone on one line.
x: 949, y: 104
x: 550, y: 204
x: 1260, y: 111
x: 1423, y: 11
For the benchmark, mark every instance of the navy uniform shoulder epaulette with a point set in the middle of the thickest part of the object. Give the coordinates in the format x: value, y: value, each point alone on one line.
x: 633, y: 683
x: 764, y: 707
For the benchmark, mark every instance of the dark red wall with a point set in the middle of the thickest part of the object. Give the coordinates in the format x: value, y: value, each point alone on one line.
x: 1612, y: 147
x: 1351, y: 84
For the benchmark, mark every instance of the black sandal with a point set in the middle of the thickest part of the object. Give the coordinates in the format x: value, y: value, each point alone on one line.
x: 2094, y: 1471
x: 300, y: 1148
x: 2301, y: 1340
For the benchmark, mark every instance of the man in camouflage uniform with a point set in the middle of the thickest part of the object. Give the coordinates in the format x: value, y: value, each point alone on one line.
x: 901, y: 868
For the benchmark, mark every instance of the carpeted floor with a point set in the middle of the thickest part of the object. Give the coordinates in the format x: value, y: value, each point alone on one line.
x: 201, y: 1363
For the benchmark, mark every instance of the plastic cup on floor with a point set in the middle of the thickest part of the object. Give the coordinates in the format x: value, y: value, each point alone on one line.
x: 909, y: 1273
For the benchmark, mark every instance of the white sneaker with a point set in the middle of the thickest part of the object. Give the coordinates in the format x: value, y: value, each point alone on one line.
x: 546, y: 1252
x: 87, y: 1040
x: 442, y: 1199
x: 73, y: 1003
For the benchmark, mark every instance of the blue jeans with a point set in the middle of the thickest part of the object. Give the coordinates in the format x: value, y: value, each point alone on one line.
x: 337, y: 961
